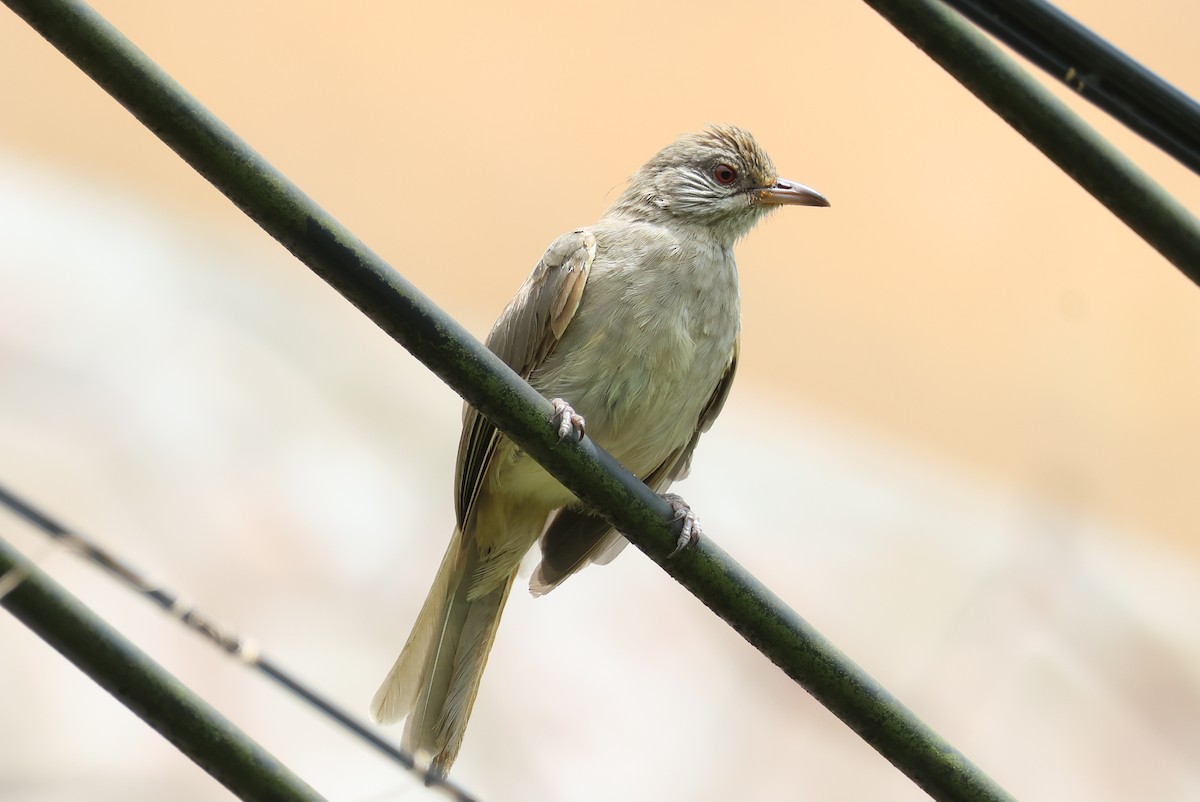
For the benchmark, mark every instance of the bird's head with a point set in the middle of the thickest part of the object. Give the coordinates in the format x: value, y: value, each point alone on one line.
x: 719, y: 179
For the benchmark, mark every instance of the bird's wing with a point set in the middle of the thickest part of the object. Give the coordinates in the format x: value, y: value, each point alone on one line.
x: 523, y: 337
x: 577, y: 536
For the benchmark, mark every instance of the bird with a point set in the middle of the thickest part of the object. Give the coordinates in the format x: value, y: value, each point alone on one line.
x: 631, y: 327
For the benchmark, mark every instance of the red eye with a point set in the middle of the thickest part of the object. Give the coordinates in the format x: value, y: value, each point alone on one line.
x: 724, y: 174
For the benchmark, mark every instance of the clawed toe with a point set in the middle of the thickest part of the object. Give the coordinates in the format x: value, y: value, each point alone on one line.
x: 569, y: 423
x: 690, y: 531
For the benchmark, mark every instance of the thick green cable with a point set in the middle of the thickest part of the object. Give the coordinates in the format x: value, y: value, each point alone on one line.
x: 447, y: 349
x: 1051, y: 126
x: 145, y: 687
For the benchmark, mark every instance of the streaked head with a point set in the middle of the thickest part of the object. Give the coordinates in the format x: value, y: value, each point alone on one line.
x: 719, y: 178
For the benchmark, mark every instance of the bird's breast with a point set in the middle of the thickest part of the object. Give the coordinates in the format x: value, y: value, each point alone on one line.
x: 651, y: 340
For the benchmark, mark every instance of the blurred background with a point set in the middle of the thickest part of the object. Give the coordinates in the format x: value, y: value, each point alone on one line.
x: 963, y: 441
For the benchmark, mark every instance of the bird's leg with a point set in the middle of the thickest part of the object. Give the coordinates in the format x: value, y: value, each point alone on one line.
x: 691, y: 530
x: 568, y: 421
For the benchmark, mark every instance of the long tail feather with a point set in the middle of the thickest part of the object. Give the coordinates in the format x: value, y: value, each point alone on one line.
x: 397, y: 695
x: 436, y: 678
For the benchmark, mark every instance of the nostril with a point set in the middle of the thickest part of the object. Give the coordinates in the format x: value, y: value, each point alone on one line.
x: 781, y: 184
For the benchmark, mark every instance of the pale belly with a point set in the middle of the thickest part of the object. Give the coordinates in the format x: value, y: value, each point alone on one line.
x: 641, y: 391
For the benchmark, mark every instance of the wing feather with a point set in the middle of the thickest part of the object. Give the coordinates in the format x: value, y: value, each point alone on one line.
x: 524, y: 336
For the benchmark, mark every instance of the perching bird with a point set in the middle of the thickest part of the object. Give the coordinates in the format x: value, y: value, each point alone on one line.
x: 634, y: 321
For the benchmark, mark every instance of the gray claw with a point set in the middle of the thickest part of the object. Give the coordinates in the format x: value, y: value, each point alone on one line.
x: 691, y: 530
x: 568, y: 421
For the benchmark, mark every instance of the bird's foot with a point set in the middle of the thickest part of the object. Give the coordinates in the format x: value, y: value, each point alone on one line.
x: 569, y: 423
x: 691, y: 530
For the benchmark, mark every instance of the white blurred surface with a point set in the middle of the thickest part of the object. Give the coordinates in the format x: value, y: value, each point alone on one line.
x: 250, y: 440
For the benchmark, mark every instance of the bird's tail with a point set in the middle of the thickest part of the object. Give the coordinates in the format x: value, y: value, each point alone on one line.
x: 436, y: 677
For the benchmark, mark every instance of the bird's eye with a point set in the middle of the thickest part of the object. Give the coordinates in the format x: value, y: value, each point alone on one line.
x: 724, y: 174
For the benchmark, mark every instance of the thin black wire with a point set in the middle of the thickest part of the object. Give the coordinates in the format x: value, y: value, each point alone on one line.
x: 144, y: 687
x: 1094, y: 69
x: 245, y: 650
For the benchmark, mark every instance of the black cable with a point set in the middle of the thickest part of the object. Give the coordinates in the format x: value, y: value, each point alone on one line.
x: 244, y: 650
x: 1094, y: 69
x: 1022, y: 101
x: 144, y: 687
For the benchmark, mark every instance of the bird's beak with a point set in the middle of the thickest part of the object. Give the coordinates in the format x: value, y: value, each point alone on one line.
x: 788, y: 193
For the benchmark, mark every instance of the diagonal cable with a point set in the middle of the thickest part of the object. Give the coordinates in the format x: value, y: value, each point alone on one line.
x: 244, y: 650
x: 485, y: 382
x: 143, y: 686
x: 1101, y: 169
x: 1094, y: 69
